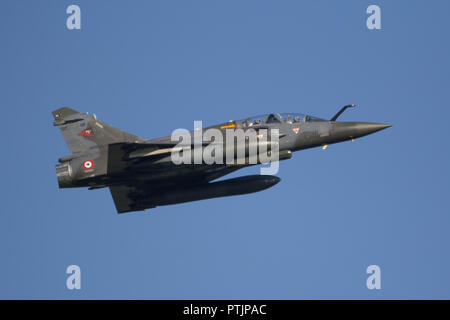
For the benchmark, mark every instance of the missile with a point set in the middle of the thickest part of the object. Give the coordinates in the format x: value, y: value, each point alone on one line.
x: 225, y: 188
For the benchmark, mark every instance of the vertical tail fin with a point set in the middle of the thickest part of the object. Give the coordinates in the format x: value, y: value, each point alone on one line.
x: 83, y: 132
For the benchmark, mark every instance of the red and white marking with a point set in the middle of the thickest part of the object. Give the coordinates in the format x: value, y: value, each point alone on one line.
x: 86, y: 133
x: 88, y: 164
x: 295, y: 129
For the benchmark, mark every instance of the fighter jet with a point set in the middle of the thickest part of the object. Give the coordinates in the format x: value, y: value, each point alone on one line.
x: 141, y: 173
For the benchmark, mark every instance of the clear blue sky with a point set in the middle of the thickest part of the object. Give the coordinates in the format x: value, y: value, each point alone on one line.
x: 149, y: 67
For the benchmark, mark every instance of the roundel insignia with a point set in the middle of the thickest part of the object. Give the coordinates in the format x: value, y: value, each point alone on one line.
x: 88, y: 164
x: 295, y: 129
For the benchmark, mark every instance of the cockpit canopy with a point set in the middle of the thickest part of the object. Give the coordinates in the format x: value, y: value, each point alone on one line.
x: 279, y: 118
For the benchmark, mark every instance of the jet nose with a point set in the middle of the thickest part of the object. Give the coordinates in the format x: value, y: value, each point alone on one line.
x: 359, y: 129
x: 365, y: 128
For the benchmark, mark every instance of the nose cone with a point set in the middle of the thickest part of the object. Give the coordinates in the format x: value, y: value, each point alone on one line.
x: 248, y: 184
x: 358, y: 129
x: 259, y: 182
x: 365, y: 128
x: 271, y: 180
